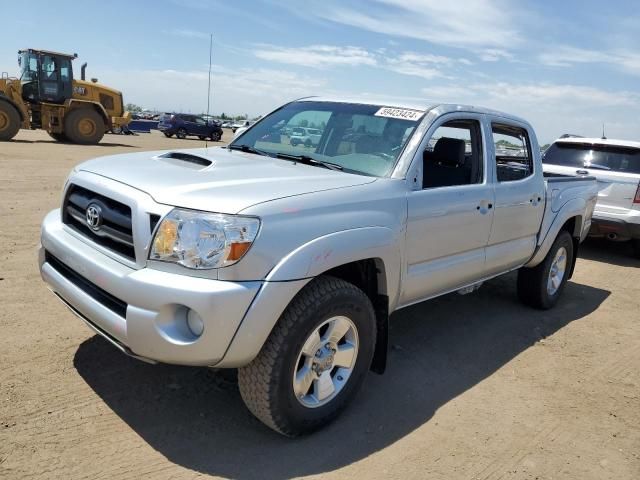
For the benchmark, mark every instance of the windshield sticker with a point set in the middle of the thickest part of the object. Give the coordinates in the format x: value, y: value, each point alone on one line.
x: 402, y: 113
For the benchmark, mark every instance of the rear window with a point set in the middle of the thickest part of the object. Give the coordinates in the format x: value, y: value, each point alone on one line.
x: 601, y: 157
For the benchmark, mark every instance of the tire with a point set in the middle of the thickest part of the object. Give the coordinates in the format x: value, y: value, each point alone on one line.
x: 267, y: 383
x: 216, y: 136
x: 293, y: 142
x: 9, y: 121
x: 635, y: 244
x: 84, y: 126
x: 58, y: 137
x: 307, y: 143
x: 202, y: 137
x: 535, y: 287
x: 168, y: 135
x: 181, y: 133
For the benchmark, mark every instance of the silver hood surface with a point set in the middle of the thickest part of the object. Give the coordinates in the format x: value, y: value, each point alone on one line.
x: 233, y: 182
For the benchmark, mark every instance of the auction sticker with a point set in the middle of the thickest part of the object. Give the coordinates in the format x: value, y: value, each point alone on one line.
x: 402, y: 113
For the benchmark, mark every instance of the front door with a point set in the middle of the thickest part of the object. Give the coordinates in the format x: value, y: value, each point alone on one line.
x: 55, y: 78
x: 449, y: 219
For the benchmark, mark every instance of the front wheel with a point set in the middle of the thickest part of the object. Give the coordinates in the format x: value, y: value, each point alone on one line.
x: 216, y: 136
x: 315, y: 359
x: 168, y: 135
x: 181, y: 133
x: 9, y: 121
x: 541, y: 286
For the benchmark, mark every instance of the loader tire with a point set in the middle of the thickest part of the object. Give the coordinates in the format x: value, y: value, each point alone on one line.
x: 58, y: 137
x: 269, y: 384
x: 9, y: 121
x: 84, y: 126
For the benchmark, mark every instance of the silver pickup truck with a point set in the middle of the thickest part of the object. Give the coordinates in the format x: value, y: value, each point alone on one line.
x: 285, y: 261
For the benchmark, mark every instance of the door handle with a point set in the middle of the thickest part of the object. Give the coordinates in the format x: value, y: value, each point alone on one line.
x: 582, y: 172
x: 484, y: 206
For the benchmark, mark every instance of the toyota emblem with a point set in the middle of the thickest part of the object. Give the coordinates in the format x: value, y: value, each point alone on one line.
x: 93, y: 216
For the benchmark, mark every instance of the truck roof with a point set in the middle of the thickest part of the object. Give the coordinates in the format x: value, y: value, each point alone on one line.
x: 416, y: 104
x: 600, y: 141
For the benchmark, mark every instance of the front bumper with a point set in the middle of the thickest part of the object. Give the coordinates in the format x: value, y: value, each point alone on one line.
x: 143, y: 311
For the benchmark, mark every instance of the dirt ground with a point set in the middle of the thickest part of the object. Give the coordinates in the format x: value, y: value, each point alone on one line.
x: 478, y: 387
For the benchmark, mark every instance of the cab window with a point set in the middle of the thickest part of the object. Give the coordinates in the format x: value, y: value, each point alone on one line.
x: 453, y: 155
x: 512, y: 153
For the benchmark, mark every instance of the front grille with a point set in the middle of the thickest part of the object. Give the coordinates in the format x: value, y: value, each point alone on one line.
x: 101, y: 296
x: 115, y: 231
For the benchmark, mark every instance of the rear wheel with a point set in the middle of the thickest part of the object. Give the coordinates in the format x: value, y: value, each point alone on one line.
x: 9, y: 121
x: 541, y: 286
x: 202, y: 137
x: 315, y: 359
x: 216, y: 136
x: 181, y: 133
x: 58, y: 137
x: 84, y: 126
x: 168, y: 135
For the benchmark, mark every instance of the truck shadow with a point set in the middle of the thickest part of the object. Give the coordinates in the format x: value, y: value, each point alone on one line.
x: 439, y: 349
x: 615, y: 253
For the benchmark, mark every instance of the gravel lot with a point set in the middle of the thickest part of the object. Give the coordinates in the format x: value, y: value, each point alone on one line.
x: 477, y: 386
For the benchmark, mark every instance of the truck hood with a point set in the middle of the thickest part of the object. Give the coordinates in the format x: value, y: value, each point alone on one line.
x: 216, y: 179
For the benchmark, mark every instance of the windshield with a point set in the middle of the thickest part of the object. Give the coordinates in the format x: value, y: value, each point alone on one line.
x: 28, y: 67
x: 603, y: 157
x: 365, y: 139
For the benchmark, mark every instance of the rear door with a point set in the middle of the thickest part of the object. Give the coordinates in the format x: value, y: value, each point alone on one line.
x: 616, y: 168
x: 519, y: 197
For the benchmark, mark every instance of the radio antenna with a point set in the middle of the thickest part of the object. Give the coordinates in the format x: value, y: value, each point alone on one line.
x: 209, y: 85
x: 603, y: 135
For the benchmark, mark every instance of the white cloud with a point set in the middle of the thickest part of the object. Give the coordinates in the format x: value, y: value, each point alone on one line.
x: 246, y: 90
x: 316, y: 56
x: 185, y: 33
x: 426, y: 66
x: 553, y: 109
x: 470, y: 24
x: 566, y: 56
x: 494, y: 55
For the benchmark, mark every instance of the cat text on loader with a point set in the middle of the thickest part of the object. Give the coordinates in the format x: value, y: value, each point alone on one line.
x: 48, y: 96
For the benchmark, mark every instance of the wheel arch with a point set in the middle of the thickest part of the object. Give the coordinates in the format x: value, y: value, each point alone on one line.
x: 571, y: 219
x: 367, y: 257
x: 78, y: 104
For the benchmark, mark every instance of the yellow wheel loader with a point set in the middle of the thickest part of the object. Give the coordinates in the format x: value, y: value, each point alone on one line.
x: 47, y: 96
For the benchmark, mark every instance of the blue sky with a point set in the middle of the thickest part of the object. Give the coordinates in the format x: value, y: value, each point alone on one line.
x: 565, y: 66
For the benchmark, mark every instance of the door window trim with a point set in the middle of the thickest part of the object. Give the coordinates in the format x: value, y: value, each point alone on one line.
x: 415, y: 171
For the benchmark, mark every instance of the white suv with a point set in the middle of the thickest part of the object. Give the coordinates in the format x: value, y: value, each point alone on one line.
x: 616, y: 166
x: 309, y: 137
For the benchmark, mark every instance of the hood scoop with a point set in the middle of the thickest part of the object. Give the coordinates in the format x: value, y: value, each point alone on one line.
x: 183, y: 159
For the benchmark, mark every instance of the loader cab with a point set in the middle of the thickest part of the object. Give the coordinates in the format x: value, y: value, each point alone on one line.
x: 45, y: 76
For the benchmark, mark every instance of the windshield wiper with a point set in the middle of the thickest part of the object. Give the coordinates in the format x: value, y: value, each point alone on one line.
x: 306, y: 159
x: 249, y: 149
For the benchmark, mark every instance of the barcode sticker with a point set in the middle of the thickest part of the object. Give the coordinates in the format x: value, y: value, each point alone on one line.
x: 402, y: 113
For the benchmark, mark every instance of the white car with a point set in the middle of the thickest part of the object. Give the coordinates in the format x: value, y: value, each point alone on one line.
x: 241, y: 124
x: 616, y: 166
x: 309, y: 137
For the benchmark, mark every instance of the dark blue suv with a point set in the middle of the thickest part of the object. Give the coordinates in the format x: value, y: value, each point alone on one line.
x: 182, y: 125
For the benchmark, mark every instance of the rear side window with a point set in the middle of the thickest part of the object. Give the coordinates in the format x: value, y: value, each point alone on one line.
x: 513, y: 152
x: 599, y: 157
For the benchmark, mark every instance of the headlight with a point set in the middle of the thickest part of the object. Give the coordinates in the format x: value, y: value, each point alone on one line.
x: 203, y: 240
